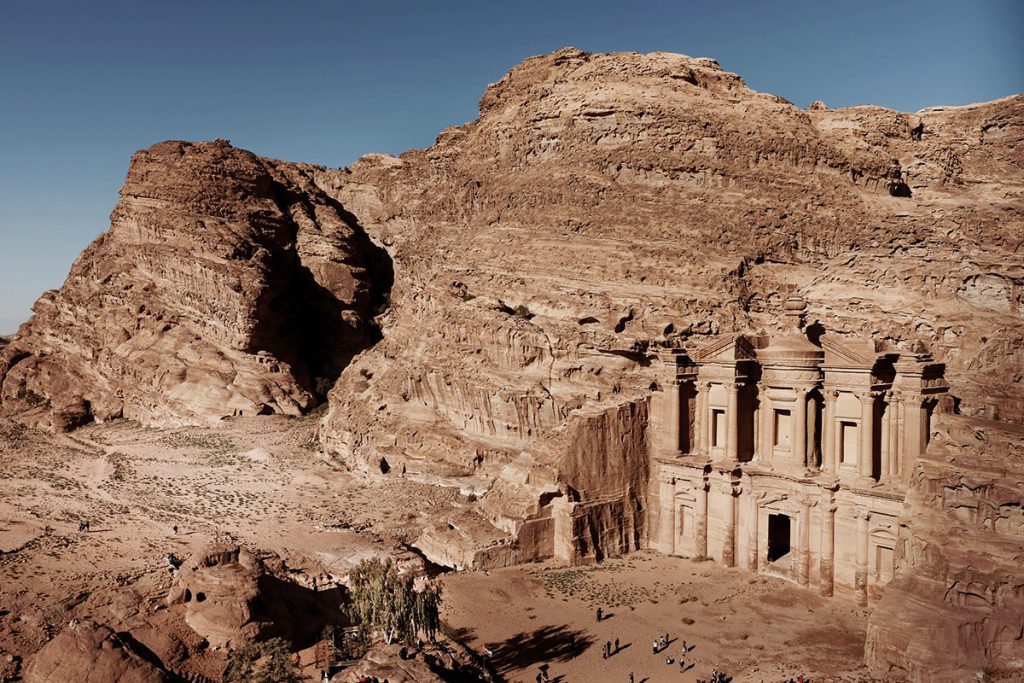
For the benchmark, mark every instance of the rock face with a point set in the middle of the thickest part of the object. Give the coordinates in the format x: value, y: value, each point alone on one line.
x: 956, y: 605
x: 92, y: 653
x: 231, y: 598
x: 227, y: 284
x: 605, y: 205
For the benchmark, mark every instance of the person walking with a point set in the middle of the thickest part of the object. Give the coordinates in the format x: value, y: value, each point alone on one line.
x: 616, y: 646
x: 600, y: 613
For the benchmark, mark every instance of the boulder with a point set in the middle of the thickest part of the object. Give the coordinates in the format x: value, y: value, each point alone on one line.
x: 87, y: 652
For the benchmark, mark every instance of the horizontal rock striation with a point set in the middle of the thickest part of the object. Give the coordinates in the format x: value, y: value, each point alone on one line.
x: 604, y: 205
x: 956, y: 606
x: 227, y: 285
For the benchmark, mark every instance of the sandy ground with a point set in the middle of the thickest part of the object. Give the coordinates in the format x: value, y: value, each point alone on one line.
x: 262, y: 483
x: 754, y: 628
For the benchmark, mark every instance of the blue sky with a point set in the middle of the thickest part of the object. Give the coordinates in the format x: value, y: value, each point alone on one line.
x: 83, y: 85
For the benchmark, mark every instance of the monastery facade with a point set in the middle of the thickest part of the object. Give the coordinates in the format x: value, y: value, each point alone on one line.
x: 789, y: 457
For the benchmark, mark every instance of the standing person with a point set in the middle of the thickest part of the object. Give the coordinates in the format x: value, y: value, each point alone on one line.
x: 630, y: 677
x: 600, y: 613
x: 654, y: 647
x: 616, y: 645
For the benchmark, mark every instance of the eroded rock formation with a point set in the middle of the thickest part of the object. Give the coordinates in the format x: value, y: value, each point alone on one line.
x: 227, y: 284
x: 604, y: 205
x: 956, y: 605
x: 92, y: 653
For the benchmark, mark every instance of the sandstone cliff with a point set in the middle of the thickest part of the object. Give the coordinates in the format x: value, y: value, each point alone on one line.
x: 956, y: 605
x: 603, y: 205
x: 227, y: 284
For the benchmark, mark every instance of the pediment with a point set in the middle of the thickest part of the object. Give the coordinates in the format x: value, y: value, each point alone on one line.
x: 837, y: 354
x: 727, y: 349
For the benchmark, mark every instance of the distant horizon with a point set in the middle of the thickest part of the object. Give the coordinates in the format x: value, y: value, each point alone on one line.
x: 85, y: 87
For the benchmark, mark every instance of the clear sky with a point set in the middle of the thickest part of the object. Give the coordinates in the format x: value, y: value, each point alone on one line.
x: 84, y: 84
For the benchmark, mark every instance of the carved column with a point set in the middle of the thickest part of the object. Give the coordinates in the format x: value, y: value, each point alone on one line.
x: 729, y: 531
x: 668, y: 515
x: 883, y: 471
x: 705, y: 420
x: 732, y: 436
x: 757, y: 428
x: 895, y: 406
x: 752, y: 530
x: 803, y: 569
x: 828, y: 427
x: 860, y: 579
x: 826, y: 567
x: 673, y: 417
x: 867, y: 434
x: 800, y: 428
x: 700, y: 541
x: 767, y: 428
x: 698, y: 419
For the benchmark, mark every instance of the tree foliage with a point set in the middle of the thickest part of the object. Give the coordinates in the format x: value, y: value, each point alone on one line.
x: 268, y: 661
x: 387, y: 602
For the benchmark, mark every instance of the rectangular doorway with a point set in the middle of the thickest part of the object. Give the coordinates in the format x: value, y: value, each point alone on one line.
x: 717, y: 428
x: 778, y: 537
x: 848, y: 442
x: 783, y: 429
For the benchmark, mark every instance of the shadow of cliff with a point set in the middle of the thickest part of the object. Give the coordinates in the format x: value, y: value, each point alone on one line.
x: 546, y: 644
x: 298, y: 613
x: 301, y: 321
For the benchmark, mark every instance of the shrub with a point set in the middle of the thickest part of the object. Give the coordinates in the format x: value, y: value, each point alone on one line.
x: 264, y: 662
x: 386, y: 602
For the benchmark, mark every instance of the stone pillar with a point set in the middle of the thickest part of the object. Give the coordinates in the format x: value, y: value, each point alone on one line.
x: 757, y: 430
x: 673, y: 416
x: 700, y: 540
x: 860, y: 579
x: 698, y: 419
x: 895, y: 406
x: 767, y: 429
x: 729, y: 530
x: 828, y: 428
x: 732, y: 435
x: 867, y: 434
x: 667, y: 493
x: 883, y: 472
x: 826, y: 567
x: 705, y: 420
x: 752, y: 530
x: 800, y: 429
x: 803, y: 569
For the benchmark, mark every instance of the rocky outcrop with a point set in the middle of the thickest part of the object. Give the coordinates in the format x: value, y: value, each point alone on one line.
x: 231, y: 598
x: 92, y: 653
x: 956, y: 606
x: 605, y: 205
x: 227, y: 285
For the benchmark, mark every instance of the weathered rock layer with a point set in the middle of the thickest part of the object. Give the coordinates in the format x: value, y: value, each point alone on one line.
x: 227, y: 284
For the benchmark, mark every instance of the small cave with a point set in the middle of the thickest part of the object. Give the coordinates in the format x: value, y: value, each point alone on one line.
x: 588, y: 320
x: 200, y: 597
x: 620, y: 326
x: 385, y: 467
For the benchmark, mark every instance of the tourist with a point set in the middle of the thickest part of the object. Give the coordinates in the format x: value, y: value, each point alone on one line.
x: 616, y: 646
x: 669, y: 661
x: 684, y: 648
x: 630, y: 677
x: 654, y: 647
x: 600, y: 613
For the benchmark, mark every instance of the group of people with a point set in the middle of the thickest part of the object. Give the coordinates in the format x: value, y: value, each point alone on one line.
x: 716, y: 677
x: 83, y: 527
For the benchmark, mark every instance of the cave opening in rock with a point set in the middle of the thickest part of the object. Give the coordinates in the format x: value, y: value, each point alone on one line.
x: 778, y: 537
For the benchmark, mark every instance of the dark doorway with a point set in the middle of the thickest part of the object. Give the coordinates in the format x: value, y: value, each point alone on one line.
x: 778, y: 537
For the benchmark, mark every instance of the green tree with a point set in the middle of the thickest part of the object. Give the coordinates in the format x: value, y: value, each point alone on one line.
x: 268, y: 661
x: 387, y: 602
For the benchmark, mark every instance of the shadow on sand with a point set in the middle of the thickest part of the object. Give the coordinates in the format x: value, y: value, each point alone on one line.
x: 546, y: 644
